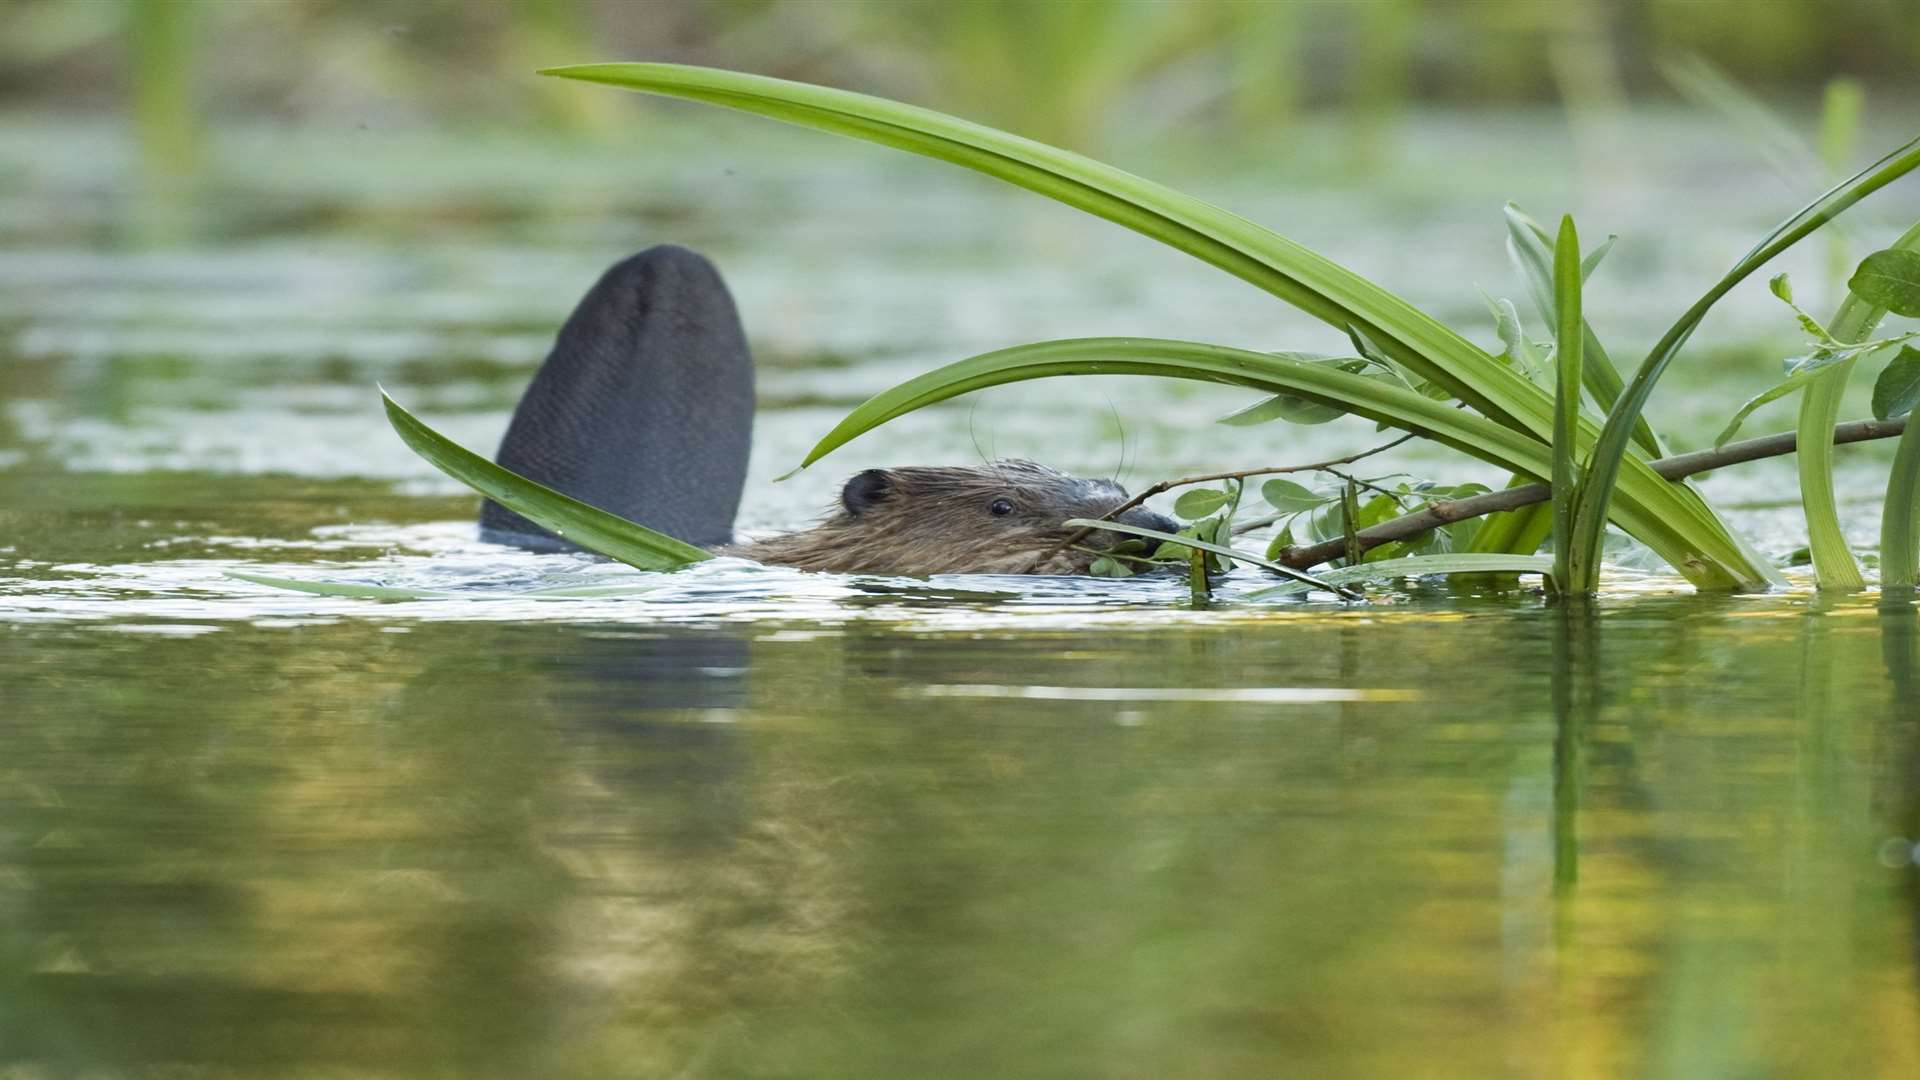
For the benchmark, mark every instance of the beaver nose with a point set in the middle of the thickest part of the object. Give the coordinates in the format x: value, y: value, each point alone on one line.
x: 1147, y: 519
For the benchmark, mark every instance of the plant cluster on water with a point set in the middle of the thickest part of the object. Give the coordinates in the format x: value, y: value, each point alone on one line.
x: 1556, y: 410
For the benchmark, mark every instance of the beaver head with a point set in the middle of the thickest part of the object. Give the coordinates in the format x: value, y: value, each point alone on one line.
x: 989, y: 519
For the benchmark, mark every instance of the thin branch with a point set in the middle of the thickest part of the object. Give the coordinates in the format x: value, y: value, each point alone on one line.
x: 1238, y: 474
x: 1676, y: 467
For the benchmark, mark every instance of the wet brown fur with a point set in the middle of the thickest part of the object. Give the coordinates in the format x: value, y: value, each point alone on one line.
x: 941, y: 520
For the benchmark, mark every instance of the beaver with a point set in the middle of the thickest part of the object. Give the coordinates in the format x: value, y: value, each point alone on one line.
x: 644, y: 408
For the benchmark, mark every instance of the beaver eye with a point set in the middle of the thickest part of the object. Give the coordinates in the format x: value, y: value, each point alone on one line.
x: 1001, y: 507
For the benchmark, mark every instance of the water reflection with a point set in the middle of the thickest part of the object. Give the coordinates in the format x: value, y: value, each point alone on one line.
x: 575, y: 848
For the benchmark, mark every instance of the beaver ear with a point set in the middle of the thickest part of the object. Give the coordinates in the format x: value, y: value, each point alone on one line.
x: 864, y: 491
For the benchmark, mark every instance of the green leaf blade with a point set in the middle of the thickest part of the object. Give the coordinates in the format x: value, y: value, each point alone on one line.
x: 590, y: 527
x: 1301, y: 277
x: 1576, y: 570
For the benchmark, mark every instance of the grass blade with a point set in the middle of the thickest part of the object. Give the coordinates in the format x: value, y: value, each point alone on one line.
x: 1575, y: 572
x: 1611, y: 451
x: 590, y: 527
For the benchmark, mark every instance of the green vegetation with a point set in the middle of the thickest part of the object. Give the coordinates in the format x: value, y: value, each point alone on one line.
x: 1410, y: 371
x: 1555, y: 410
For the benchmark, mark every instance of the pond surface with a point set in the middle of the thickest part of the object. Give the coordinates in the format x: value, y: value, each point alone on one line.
x: 754, y: 822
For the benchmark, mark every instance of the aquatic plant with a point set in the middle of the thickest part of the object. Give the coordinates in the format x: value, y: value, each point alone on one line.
x: 1410, y: 370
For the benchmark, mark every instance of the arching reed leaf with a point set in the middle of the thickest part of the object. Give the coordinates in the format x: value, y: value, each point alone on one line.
x: 1710, y: 555
x: 1661, y: 514
x: 1610, y: 454
x: 590, y: 527
x: 1258, y: 255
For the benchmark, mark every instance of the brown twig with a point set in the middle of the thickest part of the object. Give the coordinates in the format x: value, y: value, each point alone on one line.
x: 1677, y: 467
x: 1238, y: 474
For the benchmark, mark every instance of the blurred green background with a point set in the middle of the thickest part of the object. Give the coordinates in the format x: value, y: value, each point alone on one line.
x: 1085, y: 74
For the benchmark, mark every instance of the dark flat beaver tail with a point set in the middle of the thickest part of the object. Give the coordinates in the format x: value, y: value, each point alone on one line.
x: 643, y: 409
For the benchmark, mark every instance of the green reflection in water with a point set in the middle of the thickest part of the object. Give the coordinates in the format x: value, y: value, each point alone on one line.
x: 594, y: 849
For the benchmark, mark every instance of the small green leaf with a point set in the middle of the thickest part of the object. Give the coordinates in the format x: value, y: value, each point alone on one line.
x: 1518, y: 351
x: 1897, y: 390
x: 1289, y: 497
x: 1800, y: 371
x: 1782, y: 287
x: 1109, y: 568
x: 1172, y: 551
x: 1328, y: 522
x: 1889, y: 279
x: 1196, y: 503
x: 1292, y: 408
x: 1280, y: 542
x: 1220, y: 532
x: 1208, y: 546
x: 1592, y: 262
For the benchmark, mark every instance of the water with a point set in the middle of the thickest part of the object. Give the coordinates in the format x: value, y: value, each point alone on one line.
x: 754, y: 822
